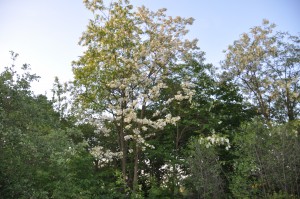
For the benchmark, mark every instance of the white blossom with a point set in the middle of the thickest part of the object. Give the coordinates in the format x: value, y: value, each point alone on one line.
x: 105, y: 156
x: 127, y: 137
x: 215, y: 140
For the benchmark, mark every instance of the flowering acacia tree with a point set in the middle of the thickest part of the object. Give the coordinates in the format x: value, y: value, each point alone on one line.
x: 130, y: 56
x: 266, y: 65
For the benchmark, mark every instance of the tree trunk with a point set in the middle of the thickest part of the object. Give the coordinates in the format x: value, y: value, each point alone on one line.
x: 136, y: 168
x: 137, y: 154
x: 289, y: 107
x: 123, y: 144
x: 124, y: 151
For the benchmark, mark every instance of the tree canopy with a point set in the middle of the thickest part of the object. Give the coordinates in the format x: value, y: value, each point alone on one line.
x: 147, y: 117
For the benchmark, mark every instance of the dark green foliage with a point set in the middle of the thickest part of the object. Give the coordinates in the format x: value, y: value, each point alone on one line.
x: 205, y: 179
x: 267, y: 160
x: 38, y: 157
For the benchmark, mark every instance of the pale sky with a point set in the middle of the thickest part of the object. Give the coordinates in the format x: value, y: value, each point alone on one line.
x: 46, y: 32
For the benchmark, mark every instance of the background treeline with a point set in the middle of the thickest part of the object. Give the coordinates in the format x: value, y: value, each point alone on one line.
x: 146, y: 117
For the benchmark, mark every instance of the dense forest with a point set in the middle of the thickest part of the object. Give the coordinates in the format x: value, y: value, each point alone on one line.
x: 146, y: 117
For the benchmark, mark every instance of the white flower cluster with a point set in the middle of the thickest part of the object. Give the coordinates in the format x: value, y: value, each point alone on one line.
x: 215, y: 140
x: 188, y: 90
x: 187, y: 94
x: 99, y: 122
x: 128, y: 137
x: 154, y: 92
x: 180, y: 97
x: 171, y: 120
x: 104, y: 130
x: 156, y: 113
x: 130, y: 116
x: 142, y: 133
x: 140, y: 140
x: 105, y: 156
x: 145, y: 127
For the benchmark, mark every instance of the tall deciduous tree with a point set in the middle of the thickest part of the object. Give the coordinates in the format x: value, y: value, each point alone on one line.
x: 266, y: 65
x: 120, y: 78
